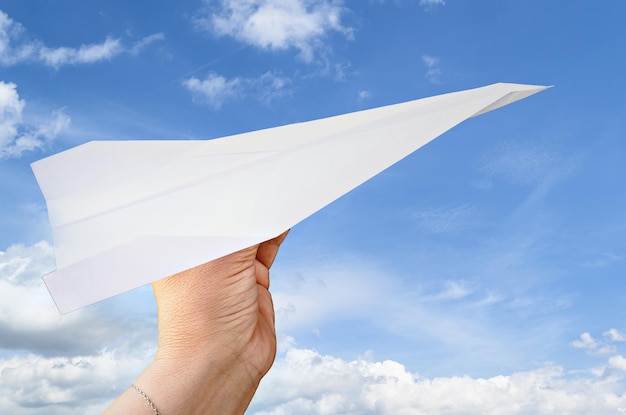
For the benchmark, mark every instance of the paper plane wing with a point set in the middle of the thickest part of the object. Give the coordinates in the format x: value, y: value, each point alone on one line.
x: 126, y: 213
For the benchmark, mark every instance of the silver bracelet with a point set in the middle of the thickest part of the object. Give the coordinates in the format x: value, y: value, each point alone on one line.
x: 146, y: 398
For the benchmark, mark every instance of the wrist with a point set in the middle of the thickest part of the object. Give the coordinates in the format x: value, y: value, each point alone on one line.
x: 177, y: 387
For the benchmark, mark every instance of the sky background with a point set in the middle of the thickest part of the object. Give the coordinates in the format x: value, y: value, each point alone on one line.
x: 484, y: 274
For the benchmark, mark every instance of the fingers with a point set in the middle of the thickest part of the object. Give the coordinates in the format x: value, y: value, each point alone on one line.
x: 267, y: 250
x: 266, y: 308
x: 262, y: 274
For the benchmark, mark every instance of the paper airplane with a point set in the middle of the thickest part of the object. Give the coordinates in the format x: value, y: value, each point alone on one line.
x: 126, y: 213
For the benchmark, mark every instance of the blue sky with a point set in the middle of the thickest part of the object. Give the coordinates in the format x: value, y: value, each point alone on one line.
x: 483, y: 274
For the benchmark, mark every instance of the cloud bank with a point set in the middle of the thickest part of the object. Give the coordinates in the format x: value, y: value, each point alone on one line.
x: 57, y: 364
x: 79, y: 363
x: 314, y: 384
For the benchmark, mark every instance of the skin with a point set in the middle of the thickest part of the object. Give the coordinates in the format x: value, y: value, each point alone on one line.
x: 216, y: 337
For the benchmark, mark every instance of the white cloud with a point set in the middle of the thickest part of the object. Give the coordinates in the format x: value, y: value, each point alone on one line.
x: 215, y: 90
x: 16, y: 47
x: 585, y: 342
x: 430, y: 61
x: 17, y: 136
x: 146, y: 41
x: 277, y: 24
x: 340, y: 71
x: 304, y: 381
x: 40, y: 380
x: 10, y: 33
x: 56, y: 364
x: 310, y: 383
x: 34, y: 384
x: 593, y: 346
x: 615, y: 335
x: 433, y: 73
x: 57, y: 57
x: 270, y: 86
x: 618, y: 362
x: 363, y: 95
x: 29, y: 320
x: 602, y: 347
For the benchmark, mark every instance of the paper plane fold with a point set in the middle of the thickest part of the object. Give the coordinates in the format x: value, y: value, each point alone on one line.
x: 126, y: 213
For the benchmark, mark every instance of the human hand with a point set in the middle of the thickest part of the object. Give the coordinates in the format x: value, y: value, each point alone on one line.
x: 216, y: 335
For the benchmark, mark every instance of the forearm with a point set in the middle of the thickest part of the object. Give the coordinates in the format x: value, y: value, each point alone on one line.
x: 188, y: 389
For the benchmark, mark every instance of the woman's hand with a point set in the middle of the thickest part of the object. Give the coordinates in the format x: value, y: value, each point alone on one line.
x: 216, y: 336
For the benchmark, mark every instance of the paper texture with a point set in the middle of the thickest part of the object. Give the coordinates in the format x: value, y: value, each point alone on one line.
x: 126, y: 213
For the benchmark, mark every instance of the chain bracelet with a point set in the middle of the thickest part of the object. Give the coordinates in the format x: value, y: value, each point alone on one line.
x: 146, y: 398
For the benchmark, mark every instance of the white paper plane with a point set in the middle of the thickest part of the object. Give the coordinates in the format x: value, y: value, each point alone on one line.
x: 126, y: 213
